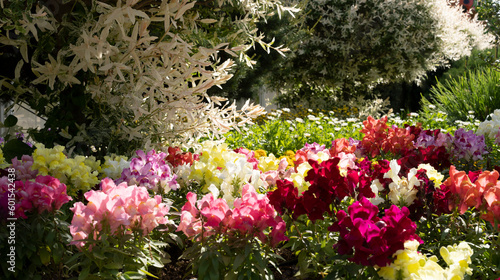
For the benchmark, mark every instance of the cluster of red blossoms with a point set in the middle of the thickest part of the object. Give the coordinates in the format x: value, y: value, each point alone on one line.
x: 480, y: 189
x: 327, y: 186
x: 380, y: 137
x: 176, y: 157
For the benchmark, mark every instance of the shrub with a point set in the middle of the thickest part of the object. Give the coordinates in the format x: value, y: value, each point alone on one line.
x: 477, y: 91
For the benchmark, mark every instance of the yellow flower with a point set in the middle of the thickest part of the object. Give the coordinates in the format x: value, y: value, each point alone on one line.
x: 322, y: 157
x: 70, y: 171
x: 260, y: 153
x: 3, y: 162
x: 299, y: 178
x: 458, y: 259
x: 411, y: 264
x: 268, y: 163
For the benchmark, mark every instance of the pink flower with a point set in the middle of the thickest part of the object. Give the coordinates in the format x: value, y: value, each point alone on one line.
x: 23, y: 168
x: 251, y: 216
x: 119, y: 209
x: 46, y: 193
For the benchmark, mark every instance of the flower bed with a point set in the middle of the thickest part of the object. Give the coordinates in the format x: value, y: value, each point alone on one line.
x: 384, y: 198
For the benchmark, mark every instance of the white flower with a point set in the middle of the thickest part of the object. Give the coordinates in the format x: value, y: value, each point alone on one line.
x: 376, y: 187
x: 402, y: 190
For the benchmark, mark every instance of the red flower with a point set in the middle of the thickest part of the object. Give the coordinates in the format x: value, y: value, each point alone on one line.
x: 176, y: 157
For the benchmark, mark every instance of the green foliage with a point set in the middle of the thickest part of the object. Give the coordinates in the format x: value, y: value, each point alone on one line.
x: 489, y: 11
x: 477, y: 91
x: 15, y: 148
x: 214, y: 258
x: 476, y: 61
x: 41, y: 246
x: 278, y: 135
x: 352, y: 44
x: 127, y: 256
x: 116, y: 76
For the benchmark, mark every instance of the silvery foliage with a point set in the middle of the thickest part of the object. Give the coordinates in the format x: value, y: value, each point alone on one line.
x: 365, y: 42
x: 156, y: 83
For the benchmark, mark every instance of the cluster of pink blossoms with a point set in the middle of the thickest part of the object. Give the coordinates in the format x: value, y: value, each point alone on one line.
x: 45, y: 193
x: 251, y: 215
x: 119, y: 209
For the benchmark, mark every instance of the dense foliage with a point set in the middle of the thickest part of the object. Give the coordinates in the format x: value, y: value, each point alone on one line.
x: 115, y: 76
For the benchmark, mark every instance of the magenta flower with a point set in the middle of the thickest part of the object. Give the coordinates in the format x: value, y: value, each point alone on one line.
x: 46, y: 193
x: 22, y: 204
x: 371, y: 240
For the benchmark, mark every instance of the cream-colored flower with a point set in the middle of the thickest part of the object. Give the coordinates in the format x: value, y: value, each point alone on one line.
x: 298, y: 178
x: 402, y: 190
x: 432, y: 174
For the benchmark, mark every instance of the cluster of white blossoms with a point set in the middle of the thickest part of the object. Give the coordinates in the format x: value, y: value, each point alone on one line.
x: 490, y: 128
x: 147, y: 63
x: 374, y: 41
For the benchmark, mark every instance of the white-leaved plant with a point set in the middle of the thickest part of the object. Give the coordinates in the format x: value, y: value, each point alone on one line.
x: 349, y: 43
x: 149, y: 63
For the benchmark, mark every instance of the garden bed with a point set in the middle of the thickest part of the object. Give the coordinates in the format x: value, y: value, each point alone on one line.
x: 381, y: 198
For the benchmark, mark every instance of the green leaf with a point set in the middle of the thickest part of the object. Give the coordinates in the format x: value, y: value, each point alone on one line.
x: 10, y: 121
x: 49, y: 239
x: 84, y: 274
x: 238, y: 261
x: 203, y: 268
x: 148, y: 274
x: 44, y: 255
x: 16, y: 148
x: 113, y: 265
x: 98, y: 255
x: 134, y: 275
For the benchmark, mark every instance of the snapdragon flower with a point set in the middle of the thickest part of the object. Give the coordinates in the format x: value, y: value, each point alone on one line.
x: 468, y: 146
x: 489, y: 128
x: 73, y: 172
x: 151, y: 171
x: 402, y: 189
x: 411, y: 264
x: 117, y: 209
